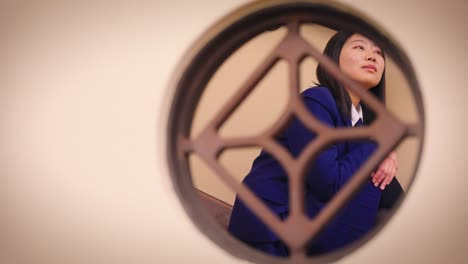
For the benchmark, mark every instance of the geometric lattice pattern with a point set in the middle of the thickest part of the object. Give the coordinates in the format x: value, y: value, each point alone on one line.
x: 387, y: 131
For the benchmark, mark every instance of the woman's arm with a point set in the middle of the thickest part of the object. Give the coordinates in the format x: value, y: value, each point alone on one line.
x: 331, y: 169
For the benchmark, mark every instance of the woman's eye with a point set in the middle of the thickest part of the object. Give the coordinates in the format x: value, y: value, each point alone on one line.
x: 378, y: 52
x: 359, y: 47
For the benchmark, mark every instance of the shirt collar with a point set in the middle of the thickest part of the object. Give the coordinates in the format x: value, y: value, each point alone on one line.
x: 356, y: 113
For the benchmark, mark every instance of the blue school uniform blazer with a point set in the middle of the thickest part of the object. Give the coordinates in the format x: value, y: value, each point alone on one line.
x: 330, y: 171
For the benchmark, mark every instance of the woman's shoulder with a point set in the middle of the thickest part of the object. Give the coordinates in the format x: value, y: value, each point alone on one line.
x: 321, y: 95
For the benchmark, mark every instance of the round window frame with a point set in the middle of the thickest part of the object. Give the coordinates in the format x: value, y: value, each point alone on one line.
x: 325, y: 13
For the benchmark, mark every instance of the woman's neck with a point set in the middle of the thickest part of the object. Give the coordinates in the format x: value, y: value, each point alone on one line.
x: 354, y: 99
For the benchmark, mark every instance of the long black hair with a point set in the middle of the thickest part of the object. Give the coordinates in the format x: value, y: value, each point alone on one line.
x: 342, y: 98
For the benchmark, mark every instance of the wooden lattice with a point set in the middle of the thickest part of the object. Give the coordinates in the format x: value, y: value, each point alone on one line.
x: 209, y: 53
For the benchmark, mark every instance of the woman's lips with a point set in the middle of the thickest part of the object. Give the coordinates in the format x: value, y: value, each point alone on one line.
x: 370, y: 67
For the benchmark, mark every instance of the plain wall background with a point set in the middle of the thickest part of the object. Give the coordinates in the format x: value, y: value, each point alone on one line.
x: 84, y: 89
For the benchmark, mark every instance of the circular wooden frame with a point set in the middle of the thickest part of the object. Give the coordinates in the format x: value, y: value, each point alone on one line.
x: 199, y: 66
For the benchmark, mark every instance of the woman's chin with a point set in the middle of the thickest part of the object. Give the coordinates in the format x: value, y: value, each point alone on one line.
x: 368, y: 84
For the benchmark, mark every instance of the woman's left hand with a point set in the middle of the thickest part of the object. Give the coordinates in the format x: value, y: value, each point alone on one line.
x: 386, y: 171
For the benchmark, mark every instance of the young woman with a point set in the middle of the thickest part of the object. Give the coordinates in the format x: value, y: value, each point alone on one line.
x: 333, y: 104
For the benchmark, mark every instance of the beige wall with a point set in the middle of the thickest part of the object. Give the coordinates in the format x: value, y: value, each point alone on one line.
x: 84, y: 93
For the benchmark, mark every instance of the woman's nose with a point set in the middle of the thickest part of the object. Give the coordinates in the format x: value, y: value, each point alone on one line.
x: 370, y: 57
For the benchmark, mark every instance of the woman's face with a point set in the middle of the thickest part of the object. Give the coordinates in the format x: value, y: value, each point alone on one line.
x: 362, y: 61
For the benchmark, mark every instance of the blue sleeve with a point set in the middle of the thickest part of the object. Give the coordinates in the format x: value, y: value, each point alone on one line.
x: 333, y: 167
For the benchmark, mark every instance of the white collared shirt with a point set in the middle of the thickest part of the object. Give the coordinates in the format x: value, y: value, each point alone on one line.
x: 356, y: 113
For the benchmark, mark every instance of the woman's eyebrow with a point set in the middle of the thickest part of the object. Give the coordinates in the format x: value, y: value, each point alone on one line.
x: 357, y: 40
x: 361, y: 40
